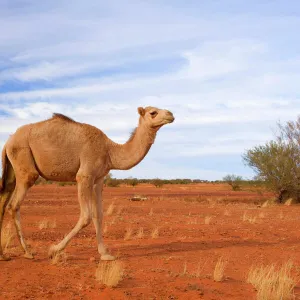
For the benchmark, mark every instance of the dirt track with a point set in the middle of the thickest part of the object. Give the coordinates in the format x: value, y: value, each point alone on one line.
x: 161, y: 268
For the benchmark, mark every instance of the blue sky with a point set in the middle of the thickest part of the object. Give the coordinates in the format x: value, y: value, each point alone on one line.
x: 228, y: 70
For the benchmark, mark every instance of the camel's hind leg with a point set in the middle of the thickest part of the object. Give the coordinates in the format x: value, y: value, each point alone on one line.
x: 14, y: 208
x: 6, y: 194
x: 85, y: 194
x: 26, y: 175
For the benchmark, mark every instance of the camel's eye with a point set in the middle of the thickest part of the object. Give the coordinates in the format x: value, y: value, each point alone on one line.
x: 153, y: 113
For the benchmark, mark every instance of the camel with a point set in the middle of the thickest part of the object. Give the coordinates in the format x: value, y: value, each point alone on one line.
x: 61, y: 149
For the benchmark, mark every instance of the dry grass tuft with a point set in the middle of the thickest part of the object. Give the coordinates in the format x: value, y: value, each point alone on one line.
x: 128, y: 234
x: 290, y: 202
x: 110, y: 273
x: 7, y: 236
x: 270, y: 202
x: 192, y: 221
x: 140, y: 233
x: 200, y: 269
x: 227, y: 213
x: 60, y: 258
x: 120, y: 210
x: 105, y: 228
x: 151, y: 212
x: 207, y: 220
x: 219, y: 269
x: 110, y: 209
x: 184, y: 271
x: 155, y: 233
x: 250, y: 219
x: 44, y: 224
x: 113, y: 221
x: 273, y: 283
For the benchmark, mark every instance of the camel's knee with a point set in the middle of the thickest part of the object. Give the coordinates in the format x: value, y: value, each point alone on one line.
x: 13, y: 208
x: 85, y: 220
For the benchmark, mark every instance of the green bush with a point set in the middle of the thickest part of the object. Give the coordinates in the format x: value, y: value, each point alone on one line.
x: 277, y: 162
x: 234, y: 181
x: 157, y: 182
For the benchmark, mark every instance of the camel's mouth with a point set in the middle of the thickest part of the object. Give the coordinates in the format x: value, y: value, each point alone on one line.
x: 170, y: 120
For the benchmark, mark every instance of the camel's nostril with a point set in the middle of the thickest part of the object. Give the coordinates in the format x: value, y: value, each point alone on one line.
x: 170, y: 116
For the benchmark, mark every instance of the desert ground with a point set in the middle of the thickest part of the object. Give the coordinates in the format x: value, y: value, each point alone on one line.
x: 174, y: 240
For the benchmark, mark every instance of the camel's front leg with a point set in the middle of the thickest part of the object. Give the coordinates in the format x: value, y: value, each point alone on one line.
x: 85, y: 195
x: 97, y: 220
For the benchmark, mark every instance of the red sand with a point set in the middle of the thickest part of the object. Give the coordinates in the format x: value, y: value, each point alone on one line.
x: 160, y: 268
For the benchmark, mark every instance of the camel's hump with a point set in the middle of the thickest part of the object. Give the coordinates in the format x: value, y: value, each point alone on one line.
x: 63, y: 117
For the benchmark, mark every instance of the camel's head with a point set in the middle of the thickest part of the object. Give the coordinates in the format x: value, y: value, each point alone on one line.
x: 155, y: 117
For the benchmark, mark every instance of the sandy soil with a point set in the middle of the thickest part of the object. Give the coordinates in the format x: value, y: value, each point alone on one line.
x: 178, y: 264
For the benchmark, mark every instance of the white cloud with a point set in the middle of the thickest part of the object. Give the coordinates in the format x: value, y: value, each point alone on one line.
x: 226, y: 76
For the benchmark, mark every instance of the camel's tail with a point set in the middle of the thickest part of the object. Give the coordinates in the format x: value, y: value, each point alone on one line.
x: 7, y: 187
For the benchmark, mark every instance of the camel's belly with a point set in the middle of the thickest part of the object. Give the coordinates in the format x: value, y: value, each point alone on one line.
x: 57, y: 165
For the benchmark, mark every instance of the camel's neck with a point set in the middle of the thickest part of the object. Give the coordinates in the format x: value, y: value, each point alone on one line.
x: 126, y: 156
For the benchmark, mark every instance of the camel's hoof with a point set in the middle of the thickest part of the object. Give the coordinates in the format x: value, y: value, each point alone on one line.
x: 107, y: 257
x: 52, y: 251
x: 28, y: 255
x: 4, y: 258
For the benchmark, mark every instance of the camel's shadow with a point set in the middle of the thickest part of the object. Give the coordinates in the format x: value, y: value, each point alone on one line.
x: 157, y: 249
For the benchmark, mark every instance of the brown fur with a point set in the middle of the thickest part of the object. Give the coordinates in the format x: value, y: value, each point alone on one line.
x: 132, y: 134
x: 62, y: 149
x: 7, y: 187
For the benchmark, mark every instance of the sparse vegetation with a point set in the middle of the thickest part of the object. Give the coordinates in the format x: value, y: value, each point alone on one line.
x: 128, y: 234
x: 234, y: 181
x: 140, y: 233
x: 157, y: 182
x: 250, y: 219
x: 155, y: 233
x: 111, y: 182
x: 110, y: 209
x: 207, y: 220
x: 132, y: 181
x: 120, y: 210
x: 200, y: 268
x: 218, y: 274
x: 184, y: 271
x: 273, y: 282
x: 110, y: 273
x: 227, y: 213
x: 66, y: 183
x: 59, y: 258
x: 277, y: 162
x: 146, y: 226
x: 42, y: 181
x: 269, y: 202
x: 45, y: 223
x: 105, y: 228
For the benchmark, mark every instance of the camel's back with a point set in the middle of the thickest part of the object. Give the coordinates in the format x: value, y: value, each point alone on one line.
x: 56, y: 133
x: 59, y: 144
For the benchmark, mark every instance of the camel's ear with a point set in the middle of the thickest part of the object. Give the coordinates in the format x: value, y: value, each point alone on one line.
x: 141, y: 111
